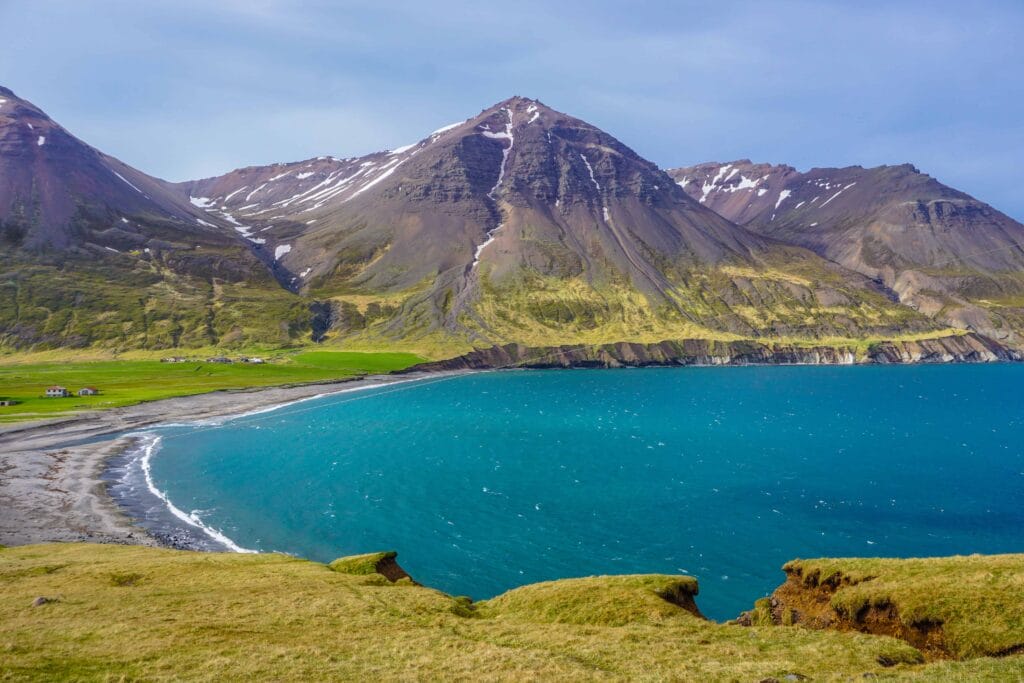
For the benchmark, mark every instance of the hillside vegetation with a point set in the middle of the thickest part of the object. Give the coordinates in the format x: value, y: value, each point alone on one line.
x: 133, y: 612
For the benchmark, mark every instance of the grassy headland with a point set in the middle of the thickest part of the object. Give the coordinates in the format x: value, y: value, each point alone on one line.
x: 134, y: 612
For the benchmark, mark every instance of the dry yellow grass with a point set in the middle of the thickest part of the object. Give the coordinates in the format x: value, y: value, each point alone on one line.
x: 142, y: 613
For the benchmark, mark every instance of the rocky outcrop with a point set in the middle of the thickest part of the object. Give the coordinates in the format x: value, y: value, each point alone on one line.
x: 385, y: 564
x: 967, y: 348
x: 805, y: 599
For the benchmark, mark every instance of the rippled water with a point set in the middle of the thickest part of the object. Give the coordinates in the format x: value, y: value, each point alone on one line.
x: 485, y: 482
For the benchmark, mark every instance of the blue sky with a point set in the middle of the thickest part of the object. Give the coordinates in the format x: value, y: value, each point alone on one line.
x: 188, y: 89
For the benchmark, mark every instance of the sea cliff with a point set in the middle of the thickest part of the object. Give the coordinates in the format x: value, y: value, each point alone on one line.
x: 966, y: 348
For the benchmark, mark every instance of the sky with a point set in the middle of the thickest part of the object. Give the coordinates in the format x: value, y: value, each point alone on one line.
x: 190, y: 89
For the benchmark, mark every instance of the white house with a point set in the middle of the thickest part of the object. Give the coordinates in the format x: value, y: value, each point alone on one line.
x: 56, y: 392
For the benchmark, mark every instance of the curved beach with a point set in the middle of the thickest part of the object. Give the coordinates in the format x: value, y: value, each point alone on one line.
x: 51, y: 473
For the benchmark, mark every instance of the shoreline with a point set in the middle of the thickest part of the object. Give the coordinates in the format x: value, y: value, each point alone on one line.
x: 53, y: 486
x: 54, y: 474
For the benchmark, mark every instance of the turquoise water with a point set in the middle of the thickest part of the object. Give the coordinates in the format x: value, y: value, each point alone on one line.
x: 489, y: 481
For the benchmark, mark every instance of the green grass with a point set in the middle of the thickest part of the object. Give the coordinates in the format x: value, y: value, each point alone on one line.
x: 125, y: 382
x: 153, y: 614
x: 979, y: 599
x: 361, y: 565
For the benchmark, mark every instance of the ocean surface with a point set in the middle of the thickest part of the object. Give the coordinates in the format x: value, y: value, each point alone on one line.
x: 488, y: 481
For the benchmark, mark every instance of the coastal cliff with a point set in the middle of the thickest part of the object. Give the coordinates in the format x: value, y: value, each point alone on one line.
x: 937, y: 605
x: 966, y: 348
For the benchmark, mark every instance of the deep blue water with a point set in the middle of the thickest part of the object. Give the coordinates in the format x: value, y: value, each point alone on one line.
x: 489, y: 481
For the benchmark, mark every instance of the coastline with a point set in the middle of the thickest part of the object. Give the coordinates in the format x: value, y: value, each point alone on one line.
x: 54, y: 474
x: 52, y: 483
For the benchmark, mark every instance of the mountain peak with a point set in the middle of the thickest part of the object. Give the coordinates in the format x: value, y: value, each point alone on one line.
x: 517, y: 102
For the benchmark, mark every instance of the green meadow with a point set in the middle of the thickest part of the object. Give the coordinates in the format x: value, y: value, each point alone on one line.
x: 130, y: 381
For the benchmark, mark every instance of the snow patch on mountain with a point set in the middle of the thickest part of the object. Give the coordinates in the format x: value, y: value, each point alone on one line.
x: 782, y: 197
x: 823, y: 204
x: 506, y: 134
x: 707, y: 187
x: 126, y: 181
x: 480, y: 248
x: 250, y: 195
x: 590, y: 170
x: 445, y: 129
x: 228, y: 198
x: 745, y: 183
x: 400, y: 150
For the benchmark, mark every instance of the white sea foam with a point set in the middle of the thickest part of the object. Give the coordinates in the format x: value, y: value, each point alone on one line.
x: 151, y: 444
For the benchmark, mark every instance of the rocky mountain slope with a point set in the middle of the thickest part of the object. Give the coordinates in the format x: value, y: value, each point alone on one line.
x: 92, y: 250
x: 525, y: 224
x: 518, y: 225
x: 941, y: 251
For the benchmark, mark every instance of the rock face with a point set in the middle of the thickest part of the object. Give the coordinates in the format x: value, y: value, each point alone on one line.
x: 806, y: 600
x: 968, y: 348
x: 938, y: 250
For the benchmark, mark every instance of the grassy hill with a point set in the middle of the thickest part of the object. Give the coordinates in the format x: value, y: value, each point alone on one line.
x: 134, y: 612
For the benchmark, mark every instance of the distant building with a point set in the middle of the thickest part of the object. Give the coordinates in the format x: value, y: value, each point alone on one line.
x: 88, y: 391
x: 218, y: 359
x: 56, y: 392
x: 173, y: 359
x: 252, y: 359
x: 4, y: 402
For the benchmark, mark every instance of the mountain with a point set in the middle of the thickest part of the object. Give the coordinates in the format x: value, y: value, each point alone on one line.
x: 525, y: 224
x: 95, y: 251
x: 939, y: 250
x: 519, y: 225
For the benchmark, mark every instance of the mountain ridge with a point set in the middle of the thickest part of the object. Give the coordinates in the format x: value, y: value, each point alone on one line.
x: 521, y: 224
x: 519, y: 191
x: 938, y: 249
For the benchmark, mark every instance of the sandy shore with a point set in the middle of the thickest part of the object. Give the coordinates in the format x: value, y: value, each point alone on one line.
x: 52, y: 489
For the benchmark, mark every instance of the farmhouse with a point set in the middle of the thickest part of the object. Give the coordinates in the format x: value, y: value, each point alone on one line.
x: 56, y: 392
x: 88, y: 391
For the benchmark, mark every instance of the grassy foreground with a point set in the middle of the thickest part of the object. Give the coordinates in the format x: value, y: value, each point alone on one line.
x: 124, y: 382
x: 135, y: 612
